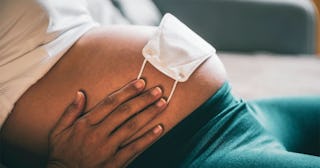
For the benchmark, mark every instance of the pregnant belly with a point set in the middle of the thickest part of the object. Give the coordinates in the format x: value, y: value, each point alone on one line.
x: 100, y: 62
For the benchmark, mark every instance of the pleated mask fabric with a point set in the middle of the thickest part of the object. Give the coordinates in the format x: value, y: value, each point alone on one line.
x: 175, y: 50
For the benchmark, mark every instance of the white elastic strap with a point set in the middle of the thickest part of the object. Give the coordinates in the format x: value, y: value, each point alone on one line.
x: 173, y: 87
x: 172, y: 90
x: 142, y: 67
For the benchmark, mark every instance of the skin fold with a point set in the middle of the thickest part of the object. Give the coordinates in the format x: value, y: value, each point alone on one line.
x: 100, y: 62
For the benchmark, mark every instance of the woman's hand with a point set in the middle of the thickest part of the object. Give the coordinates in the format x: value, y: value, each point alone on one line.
x: 96, y: 138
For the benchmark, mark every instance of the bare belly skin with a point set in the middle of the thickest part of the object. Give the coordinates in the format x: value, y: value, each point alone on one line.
x: 103, y: 60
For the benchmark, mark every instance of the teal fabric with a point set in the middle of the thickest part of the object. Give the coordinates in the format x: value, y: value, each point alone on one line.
x: 295, y: 121
x: 228, y: 132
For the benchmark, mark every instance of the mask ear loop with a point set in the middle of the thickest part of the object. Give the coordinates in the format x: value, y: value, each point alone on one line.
x: 173, y: 87
x: 142, y: 68
x: 172, y: 90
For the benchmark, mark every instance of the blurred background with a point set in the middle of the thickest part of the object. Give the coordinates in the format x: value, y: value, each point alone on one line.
x: 270, y: 48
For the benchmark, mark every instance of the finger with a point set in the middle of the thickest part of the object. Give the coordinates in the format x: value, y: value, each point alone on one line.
x: 106, y: 106
x: 127, y: 154
x: 133, y: 125
x: 70, y: 114
x: 126, y: 110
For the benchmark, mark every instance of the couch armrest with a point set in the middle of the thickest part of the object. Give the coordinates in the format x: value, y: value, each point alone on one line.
x: 286, y: 26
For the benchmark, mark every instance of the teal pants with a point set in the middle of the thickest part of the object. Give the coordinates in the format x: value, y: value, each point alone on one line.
x: 294, y: 121
x: 228, y: 132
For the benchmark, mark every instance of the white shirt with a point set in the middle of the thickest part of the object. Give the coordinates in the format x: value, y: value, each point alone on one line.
x: 34, y: 35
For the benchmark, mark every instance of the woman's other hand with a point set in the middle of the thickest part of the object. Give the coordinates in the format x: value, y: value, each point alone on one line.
x: 96, y: 138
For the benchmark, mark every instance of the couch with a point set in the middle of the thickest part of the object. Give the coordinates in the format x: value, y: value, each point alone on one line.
x: 280, y: 26
x: 268, y: 45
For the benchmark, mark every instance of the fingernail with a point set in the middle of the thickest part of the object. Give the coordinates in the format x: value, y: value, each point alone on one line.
x: 158, y: 129
x: 139, y: 84
x: 156, y: 91
x: 161, y: 103
x: 78, y: 97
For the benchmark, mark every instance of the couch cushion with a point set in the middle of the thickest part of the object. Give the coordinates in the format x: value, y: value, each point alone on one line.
x: 266, y: 75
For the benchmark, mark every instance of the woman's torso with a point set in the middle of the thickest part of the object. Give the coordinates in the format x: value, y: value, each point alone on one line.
x: 100, y: 62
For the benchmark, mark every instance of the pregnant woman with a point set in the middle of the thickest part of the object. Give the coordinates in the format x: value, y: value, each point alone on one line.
x: 50, y: 49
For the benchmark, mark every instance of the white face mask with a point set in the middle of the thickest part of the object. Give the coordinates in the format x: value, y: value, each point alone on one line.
x: 175, y: 50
